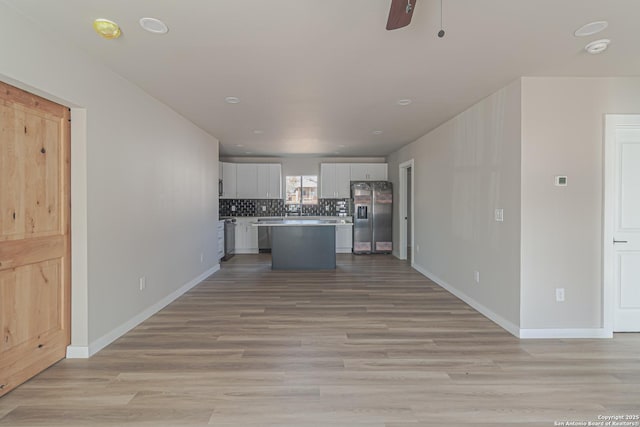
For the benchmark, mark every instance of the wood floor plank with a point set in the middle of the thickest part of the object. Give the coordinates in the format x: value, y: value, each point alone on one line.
x: 372, y: 344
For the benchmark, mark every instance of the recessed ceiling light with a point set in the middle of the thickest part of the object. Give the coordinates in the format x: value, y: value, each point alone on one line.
x: 258, y: 132
x: 154, y: 25
x: 107, y: 29
x: 239, y: 145
x: 336, y: 152
x: 597, y: 46
x: 404, y: 102
x: 231, y: 100
x: 591, y: 28
x: 378, y: 132
x: 248, y: 152
x: 341, y: 145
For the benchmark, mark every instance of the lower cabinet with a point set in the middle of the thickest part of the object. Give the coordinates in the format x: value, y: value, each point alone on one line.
x: 246, y: 236
x: 344, y: 239
x: 220, y: 240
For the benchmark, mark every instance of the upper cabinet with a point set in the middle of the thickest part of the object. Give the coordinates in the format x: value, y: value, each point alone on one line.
x: 247, y: 180
x: 368, y: 171
x: 269, y: 181
x: 264, y: 180
x: 259, y: 181
x: 228, y: 180
x: 335, y: 180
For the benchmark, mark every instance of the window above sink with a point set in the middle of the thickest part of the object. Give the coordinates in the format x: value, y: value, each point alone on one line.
x: 301, y: 190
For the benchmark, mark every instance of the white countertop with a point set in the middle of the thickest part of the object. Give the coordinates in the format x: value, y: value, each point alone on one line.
x: 304, y: 222
x: 293, y: 217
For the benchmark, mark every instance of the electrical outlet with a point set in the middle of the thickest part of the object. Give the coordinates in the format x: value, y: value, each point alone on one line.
x: 233, y: 208
x: 264, y: 209
x: 559, y: 294
x: 326, y: 208
x: 201, y: 257
x: 143, y: 283
x: 476, y: 276
x: 499, y: 215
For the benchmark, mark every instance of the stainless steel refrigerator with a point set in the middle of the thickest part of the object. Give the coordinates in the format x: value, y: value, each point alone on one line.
x: 372, y: 210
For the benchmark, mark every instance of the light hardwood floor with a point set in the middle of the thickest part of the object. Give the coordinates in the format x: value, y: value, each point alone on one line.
x: 372, y: 344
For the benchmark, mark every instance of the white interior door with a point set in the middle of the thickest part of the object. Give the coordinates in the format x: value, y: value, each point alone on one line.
x: 626, y: 232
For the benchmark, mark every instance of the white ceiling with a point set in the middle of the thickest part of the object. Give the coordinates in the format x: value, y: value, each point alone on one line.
x: 319, y: 76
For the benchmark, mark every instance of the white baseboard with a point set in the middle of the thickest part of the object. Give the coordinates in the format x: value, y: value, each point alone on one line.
x: 80, y: 352
x: 565, y: 333
x: 77, y: 352
x: 496, y: 318
x: 512, y: 328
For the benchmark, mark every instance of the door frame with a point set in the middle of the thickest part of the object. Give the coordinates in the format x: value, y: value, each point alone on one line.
x: 612, y: 121
x: 402, y: 170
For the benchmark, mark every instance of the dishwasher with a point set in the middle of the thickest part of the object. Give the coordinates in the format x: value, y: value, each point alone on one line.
x: 264, y: 235
x: 229, y: 238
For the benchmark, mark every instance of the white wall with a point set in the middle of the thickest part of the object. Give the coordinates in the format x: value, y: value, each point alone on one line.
x: 562, y: 134
x: 150, y: 175
x: 463, y: 170
x: 504, y: 152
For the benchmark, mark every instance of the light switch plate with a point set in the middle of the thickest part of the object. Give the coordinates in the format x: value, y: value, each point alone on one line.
x: 499, y: 215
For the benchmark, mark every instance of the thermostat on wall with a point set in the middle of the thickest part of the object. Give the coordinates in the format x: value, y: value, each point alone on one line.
x: 561, y: 181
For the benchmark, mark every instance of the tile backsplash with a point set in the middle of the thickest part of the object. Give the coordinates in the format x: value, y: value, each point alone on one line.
x: 263, y: 207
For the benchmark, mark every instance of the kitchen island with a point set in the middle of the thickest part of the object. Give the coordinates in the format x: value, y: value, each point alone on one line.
x: 303, y: 244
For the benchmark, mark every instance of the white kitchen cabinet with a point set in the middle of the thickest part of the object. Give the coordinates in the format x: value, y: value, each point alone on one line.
x: 335, y: 180
x: 220, y: 240
x: 369, y: 172
x: 247, y: 180
x: 275, y: 181
x: 269, y: 181
x: 327, y: 180
x: 263, y: 181
x: 246, y: 236
x: 343, y: 181
x: 358, y: 172
x: 344, y: 239
x: 259, y: 180
x: 229, y: 187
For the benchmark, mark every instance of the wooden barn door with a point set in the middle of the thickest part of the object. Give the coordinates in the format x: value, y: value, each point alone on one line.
x: 35, y: 265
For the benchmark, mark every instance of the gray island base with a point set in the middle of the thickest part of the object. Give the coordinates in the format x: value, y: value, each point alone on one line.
x: 303, y: 247
x: 303, y: 244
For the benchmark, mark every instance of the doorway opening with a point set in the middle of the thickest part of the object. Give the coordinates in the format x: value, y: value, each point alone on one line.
x: 407, y: 185
x: 621, y: 237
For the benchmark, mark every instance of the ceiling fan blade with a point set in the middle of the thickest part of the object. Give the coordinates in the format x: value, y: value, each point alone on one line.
x: 400, y: 13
